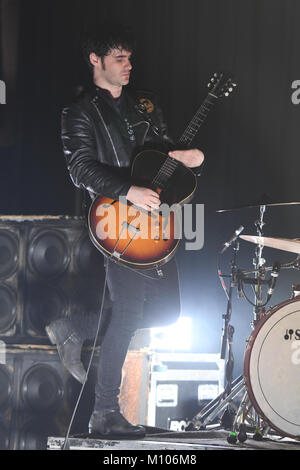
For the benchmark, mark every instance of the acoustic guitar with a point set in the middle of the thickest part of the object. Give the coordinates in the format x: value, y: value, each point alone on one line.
x: 142, y: 239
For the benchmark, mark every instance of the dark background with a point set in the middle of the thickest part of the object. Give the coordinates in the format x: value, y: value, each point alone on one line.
x: 251, y: 140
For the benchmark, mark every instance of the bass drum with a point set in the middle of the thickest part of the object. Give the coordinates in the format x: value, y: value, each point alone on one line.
x: 272, y: 368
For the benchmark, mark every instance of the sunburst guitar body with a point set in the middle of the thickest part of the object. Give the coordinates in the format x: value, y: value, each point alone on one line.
x: 133, y: 236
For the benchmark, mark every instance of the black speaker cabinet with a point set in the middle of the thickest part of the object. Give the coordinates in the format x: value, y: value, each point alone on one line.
x: 37, y: 397
x: 48, y: 269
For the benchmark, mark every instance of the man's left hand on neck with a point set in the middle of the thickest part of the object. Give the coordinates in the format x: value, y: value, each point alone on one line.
x: 191, y: 158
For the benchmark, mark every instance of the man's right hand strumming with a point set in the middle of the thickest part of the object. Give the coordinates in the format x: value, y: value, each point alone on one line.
x: 143, y: 197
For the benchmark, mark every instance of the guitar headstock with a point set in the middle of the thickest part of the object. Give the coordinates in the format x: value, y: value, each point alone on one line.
x: 219, y: 87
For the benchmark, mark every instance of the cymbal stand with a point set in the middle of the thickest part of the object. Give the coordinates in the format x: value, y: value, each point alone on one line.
x: 259, y: 263
x: 246, y: 414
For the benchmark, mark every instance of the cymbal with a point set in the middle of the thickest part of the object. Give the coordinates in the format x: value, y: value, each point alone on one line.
x: 259, y: 204
x: 284, y: 244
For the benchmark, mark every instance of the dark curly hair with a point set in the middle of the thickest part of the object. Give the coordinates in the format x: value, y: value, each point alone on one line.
x: 106, y: 38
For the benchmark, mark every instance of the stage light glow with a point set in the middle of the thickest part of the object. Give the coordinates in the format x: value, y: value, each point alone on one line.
x: 174, y: 337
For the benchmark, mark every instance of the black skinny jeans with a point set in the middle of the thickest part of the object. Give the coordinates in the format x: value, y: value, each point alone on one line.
x: 137, y: 302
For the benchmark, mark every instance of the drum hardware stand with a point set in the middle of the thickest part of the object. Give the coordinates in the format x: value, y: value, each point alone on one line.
x: 246, y: 412
x: 247, y: 420
x: 259, y: 263
x: 233, y: 389
x: 227, y: 340
x: 223, y: 403
x: 246, y: 409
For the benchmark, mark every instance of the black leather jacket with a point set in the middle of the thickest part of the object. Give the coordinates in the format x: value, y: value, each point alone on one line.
x: 100, y: 136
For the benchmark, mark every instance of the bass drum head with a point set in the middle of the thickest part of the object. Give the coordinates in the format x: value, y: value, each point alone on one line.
x: 272, y: 368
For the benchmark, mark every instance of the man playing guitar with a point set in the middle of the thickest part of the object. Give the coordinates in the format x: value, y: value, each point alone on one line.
x: 100, y: 133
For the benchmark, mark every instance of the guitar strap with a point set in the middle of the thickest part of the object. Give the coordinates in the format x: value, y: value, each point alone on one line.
x: 142, y: 109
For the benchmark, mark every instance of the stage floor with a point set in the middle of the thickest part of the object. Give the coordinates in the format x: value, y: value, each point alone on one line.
x: 184, y: 441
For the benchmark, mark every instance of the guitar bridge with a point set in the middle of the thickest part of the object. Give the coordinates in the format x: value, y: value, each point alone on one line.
x: 135, y: 230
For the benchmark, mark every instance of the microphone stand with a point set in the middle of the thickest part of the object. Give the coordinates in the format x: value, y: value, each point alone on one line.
x: 231, y: 388
x: 228, y: 329
x: 227, y: 339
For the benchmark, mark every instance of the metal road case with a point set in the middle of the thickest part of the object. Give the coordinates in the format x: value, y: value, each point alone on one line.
x: 180, y: 385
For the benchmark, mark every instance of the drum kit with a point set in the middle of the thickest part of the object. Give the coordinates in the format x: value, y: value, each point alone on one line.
x: 265, y: 400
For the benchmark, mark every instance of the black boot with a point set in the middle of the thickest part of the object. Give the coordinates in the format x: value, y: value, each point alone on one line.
x: 69, y: 344
x: 111, y: 423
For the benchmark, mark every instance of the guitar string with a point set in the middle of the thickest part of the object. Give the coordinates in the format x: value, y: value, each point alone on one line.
x: 169, y: 166
x: 167, y: 169
x: 189, y: 129
x: 165, y: 172
x: 199, y: 115
x: 188, y: 134
x: 209, y: 100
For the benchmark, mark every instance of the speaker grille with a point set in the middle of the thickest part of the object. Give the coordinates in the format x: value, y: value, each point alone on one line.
x: 5, y: 387
x: 49, y: 254
x: 9, y: 253
x: 42, y: 388
x: 8, y: 307
x: 44, y: 303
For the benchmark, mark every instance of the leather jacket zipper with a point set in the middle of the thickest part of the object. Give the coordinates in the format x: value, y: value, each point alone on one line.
x: 110, y: 138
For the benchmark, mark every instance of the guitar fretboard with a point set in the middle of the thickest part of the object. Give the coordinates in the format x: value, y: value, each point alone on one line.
x: 198, y: 119
x: 165, y: 172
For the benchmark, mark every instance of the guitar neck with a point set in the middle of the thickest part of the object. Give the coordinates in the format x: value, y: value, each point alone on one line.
x: 185, y: 140
x: 169, y: 166
x: 197, y: 121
